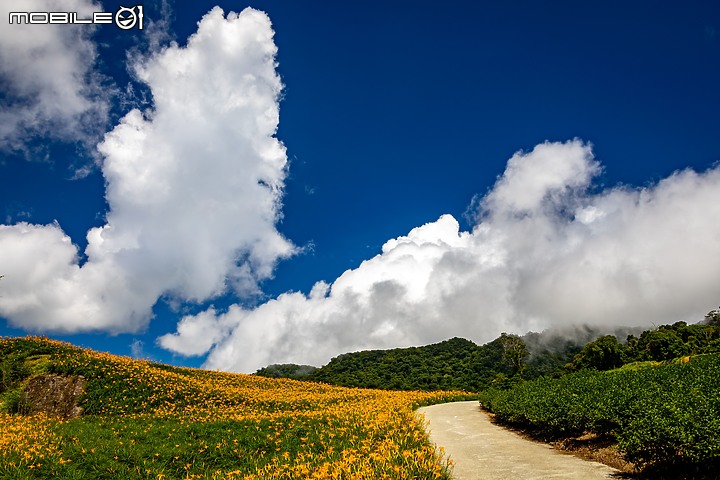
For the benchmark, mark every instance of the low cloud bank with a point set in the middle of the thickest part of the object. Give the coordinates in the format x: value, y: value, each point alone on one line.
x: 545, y: 252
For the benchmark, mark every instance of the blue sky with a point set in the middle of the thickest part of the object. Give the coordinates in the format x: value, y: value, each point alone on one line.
x: 394, y: 114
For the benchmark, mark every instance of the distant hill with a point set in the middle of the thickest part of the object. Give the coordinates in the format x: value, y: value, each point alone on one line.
x: 453, y: 364
x: 458, y: 363
x: 287, y: 370
x: 549, y: 351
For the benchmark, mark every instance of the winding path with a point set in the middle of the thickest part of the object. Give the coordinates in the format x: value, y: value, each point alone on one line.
x: 483, y: 450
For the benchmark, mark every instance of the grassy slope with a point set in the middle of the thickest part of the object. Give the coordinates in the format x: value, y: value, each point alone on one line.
x: 145, y: 420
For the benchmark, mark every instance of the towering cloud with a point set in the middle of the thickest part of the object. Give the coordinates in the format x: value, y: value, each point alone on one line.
x: 193, y: 188
x: 545, y: 252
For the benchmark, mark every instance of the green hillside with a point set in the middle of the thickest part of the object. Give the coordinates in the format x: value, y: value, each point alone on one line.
x: 453, y: 364
x: 461, y: 364
x: 72, y: 413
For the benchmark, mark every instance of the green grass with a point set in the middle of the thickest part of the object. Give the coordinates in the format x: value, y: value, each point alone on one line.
x: 146, y: 447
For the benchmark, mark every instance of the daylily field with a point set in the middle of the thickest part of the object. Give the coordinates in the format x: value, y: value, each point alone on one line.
x: 146, y: 420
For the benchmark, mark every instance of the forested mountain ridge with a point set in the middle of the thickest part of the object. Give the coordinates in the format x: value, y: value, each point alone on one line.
x: 453, y: 364
x: 458, y: 363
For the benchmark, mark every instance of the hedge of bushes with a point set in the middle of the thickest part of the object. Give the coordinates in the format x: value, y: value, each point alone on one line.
x: 659, y: 414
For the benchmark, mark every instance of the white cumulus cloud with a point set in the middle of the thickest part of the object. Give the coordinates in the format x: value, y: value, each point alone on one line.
x: 545, y: 252
x: 193, y: 187
x: 50, y: 88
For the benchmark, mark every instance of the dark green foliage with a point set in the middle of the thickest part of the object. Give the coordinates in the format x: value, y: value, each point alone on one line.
x: 659, y: 414
x: 15, y: 401
x: 487, y: 363
x: 663, y: 343
x: 455, y: 364
x: 12, y: 370
x: 287, y: 370
x: 605, y: 353
x: 504, y: 382
x: 676, y: 340
x: 19, y: 359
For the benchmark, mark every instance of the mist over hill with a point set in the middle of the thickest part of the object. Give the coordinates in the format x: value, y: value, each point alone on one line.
x: 455, y: 363
x: 458, y: 363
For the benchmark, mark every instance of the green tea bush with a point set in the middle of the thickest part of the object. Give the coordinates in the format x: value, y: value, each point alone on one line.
x: 667, y: 414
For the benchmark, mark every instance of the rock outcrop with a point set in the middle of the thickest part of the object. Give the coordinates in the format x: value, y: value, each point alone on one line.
x: 55, y: 395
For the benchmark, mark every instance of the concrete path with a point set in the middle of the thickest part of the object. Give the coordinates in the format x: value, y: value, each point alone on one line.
x: 482, y: 450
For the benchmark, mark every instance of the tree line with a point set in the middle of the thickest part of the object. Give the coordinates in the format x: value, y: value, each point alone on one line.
x: 459, y: 364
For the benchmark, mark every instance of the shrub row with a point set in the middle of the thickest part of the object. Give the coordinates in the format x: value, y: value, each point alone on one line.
x: 660, y: 415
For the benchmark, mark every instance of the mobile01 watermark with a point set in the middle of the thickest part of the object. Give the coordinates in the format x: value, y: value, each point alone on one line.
x: 124, y: 18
